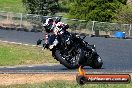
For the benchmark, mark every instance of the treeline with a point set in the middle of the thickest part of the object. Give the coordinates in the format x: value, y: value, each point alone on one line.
x: 90, y: 10
x: 42, y: 7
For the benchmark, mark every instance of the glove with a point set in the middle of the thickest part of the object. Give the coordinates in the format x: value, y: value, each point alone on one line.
x: 39, y: 42
x: 51, y: 46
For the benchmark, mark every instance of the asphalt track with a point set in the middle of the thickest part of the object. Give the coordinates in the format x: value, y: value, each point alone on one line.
x: 116, y: 54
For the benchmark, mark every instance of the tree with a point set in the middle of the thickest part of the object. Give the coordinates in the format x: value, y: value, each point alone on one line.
x: 42, y: 7
x: 98, y: 10
x: 125, y: 14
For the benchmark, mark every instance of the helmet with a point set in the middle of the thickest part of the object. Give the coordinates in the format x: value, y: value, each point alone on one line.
x: 49, y: 21
x: 57, y: 19
x: 48, y: 25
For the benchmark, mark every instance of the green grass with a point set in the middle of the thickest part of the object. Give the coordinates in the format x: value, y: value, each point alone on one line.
x: 66, y: 84
x: 11, y: 54
x: 12, y: 6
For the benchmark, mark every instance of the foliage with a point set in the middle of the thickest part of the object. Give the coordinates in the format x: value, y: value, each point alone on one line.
x: 98, y: 10
x: 103, y: 26
x: 64, y: 6
x: 42, y: 7
x: 125, y: 14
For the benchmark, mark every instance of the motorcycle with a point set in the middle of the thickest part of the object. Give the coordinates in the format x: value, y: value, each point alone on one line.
x: 72, y: 51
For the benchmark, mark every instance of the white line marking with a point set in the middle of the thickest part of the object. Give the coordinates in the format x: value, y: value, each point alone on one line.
x: 18, y: 43
x: 32, y: 65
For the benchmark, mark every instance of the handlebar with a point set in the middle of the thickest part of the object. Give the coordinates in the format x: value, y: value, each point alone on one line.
x: 84, y: 37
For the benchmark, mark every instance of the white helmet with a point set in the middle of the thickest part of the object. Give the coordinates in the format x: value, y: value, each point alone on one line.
x: 49, y: 21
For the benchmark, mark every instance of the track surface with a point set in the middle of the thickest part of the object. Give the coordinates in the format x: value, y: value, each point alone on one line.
x: 116, y: 53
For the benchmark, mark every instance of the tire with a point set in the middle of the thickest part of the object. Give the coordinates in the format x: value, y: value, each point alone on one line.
x: 97, y: 62
x: 64, y: 62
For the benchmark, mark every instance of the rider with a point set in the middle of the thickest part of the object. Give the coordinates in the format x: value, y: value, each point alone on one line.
x: 54, y: 28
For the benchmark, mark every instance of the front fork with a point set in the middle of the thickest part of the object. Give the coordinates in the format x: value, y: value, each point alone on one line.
x: 46, y: 38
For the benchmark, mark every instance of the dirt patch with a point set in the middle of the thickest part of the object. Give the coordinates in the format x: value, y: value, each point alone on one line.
x: 10, y: 79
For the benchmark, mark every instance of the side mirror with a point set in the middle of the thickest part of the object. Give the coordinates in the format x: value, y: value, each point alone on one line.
x: 84, y: 37
x: 39, y: 41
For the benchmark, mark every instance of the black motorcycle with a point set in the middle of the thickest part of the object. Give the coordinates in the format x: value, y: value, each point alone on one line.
x: 72, y: 51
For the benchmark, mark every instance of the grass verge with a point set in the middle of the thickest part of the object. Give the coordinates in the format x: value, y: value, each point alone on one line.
x: 13, y: 54
x: 68, y: 84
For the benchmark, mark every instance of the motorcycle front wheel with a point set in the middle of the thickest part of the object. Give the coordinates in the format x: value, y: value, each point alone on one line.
x: 69, y: 61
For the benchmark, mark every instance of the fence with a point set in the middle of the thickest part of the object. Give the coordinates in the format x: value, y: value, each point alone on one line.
x: 104, y: 28
x: 30, y: 22
x: 19, y: 21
